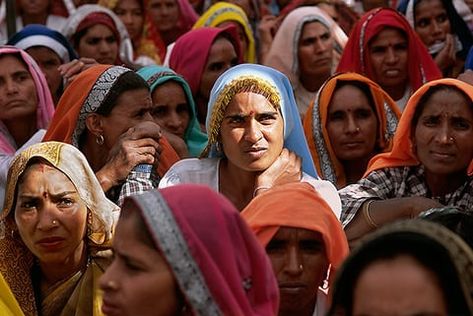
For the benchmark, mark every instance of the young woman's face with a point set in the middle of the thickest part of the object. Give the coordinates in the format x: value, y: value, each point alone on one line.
x: 139, y: 280
x: 431, y: 22
x: 49, y: 62
x: 443, y: 133
x: 99, y: 43
x: 131, y: 14
x: 352, y: 125
x: 165, y: 14
x: 252, y: 132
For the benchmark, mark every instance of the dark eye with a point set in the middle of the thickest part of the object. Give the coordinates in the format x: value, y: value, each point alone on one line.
x: 431, y: 121
x: 93, y: 41
x: 159, y: 111
x: 182, y: 108
x: 66, y: 202
x: 336, y: 116
x: 111, y: 39
x: 267, y: 118
x: 216, y: 67
x: 461, y: 124
x: 312, y: 246
x: 442, y: 18
x: 422, y: 23
x: 275, y: 246
x: 378, y: 50
x: 28, y: 204
x: 236, y: 120
x: 363, y: 113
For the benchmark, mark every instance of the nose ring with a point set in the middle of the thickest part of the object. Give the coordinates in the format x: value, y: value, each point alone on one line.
x: 451, y: 139
x: 357, y: 129
x: 301, y: 267
x: 54, y: 222
x: 112, y: 285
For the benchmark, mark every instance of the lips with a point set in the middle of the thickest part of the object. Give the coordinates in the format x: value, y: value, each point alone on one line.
x: 442, y: 155
x: 392, y: 73
x: 256, y: 152
x: 108, y: 308
x: 352, y: 144
x: 292, y: 288
x: 50, y: 243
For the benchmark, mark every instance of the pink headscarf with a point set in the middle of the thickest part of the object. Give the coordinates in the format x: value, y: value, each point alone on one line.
x: 191, y: 51
x: 187, y: 16
x: 45, y: 108
x: 220, y: 267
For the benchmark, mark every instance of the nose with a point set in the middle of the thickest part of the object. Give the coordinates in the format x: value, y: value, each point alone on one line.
x: 443, y: 134
x: 126, y: 18
x: 253, y: 132
x: 320, y: 46
x: 148, y: 117
x: 48, y: 218
x: 11, y: 86
x: 104, y: 47
x: 107, y: 281
x: 293, y: 262
x: 436, y: 29
x: 351, y: 125
x: 391, y: 56
x: 174, y: 122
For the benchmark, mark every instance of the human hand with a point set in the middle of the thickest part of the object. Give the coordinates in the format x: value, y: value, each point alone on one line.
x: 70, y: 70
x: 177, y: 143
x: 467, y: 76
x: 419, y: 204
x: 138, y: 145
x: 447, y: 55
x: 285, y: 169
x: 267, y: 28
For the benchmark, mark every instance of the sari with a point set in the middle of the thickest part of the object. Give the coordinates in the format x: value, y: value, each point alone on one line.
x: 436, y: 248
x: 155, y: 76
x: 283, y: 54
x: 355, y: 58
x: 78, y: 295
x: 8, y: 304
x: 151, y: 46
x: 222, y: 12
x: 91, y: 14
x: 315, y: 125
x: 294, y: 205
x: 230, y: 277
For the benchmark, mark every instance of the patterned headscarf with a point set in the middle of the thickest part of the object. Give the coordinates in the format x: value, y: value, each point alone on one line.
x: 216, y: 260
x: 15, y: 258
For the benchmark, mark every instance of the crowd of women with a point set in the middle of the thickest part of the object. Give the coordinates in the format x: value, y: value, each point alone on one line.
x: 249, y: 157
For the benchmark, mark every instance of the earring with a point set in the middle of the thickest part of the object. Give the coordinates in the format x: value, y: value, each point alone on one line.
x: 218, y: 147
x: 99, y: 140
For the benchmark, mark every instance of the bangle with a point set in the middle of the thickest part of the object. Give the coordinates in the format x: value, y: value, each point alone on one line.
x: 261, y: 187
x: 367, y: 216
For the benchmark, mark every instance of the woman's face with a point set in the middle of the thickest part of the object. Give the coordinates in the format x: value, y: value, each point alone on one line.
x: 352, y: 125
x: 398, y: 286
x: 50, y: 215
x: 18, y: 98
x: 49, y: 62
x: 299, y: 261
x: 165, y: 14
x: 443, y: 133
x: 36, y: 7
x: 241, y: 33
x: 315, y: 50
x: 99, y: 43
x: 170, y: 108
x: 431, y: 22
x: 131, y: 14
x: 252, y: 132
x: 139, y: 280
x: 222, y: 56
x: 132, y: 107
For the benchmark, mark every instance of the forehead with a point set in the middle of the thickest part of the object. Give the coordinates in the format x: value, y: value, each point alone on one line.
x: 249, y: 101
x: 293, y: 233
x: 313, y: 28
x: 43, y: 52
x: 348, y: 96
x: 388, y: 36
x: 41, y: 171
x: 449, y: 101
x: 425, y: 6
x: 12, y: 61
x: 128, y: 4
x: 133, y: 99
x: 99, y: 30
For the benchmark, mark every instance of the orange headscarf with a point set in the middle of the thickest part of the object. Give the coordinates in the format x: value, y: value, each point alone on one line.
x: 68, y: 124
x: 297, y: 205
x: 315, y: 125
x: 402, y: 153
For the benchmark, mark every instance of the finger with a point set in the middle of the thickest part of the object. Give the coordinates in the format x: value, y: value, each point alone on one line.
x: 146, y: 129
x: 139, y: 143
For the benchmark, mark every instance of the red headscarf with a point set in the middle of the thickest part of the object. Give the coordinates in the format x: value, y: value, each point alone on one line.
x: 297, y: 205
x: 191, y: 51
x: 220, y: 267
x: 355, y: 58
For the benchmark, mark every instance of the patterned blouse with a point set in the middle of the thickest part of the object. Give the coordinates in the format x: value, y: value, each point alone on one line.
x: 397, y: 182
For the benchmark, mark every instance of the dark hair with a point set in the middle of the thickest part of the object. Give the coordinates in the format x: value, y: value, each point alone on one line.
x: 126, y: 82
x: 427, y: 251
x: 130, y: 211
x: 19, y: 57
x: 426, y: 98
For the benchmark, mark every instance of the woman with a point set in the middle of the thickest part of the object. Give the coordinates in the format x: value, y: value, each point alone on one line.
x: 173, y: 18
x: 171, y: 235
x: 222, y: 14
x: 430, y: 164
x: 306, y: 247
x: 306, y: 49
x: 96, y: 32
x: 106, y: 113
x: 173, y: 107
x: 57, y: 230
x: 49, y: 49
x: 351, y: 120
x: 442, y: 30
x: 256, y: 139
x: 410, y: 267
x: 26, y: 103
x: 148, y: 47
x: 384, y: 48
x: 201, y: 56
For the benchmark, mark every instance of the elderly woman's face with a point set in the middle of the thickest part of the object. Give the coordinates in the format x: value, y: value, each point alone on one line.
x: 99, y: 43
x: 299, y: 261
x: 399, y: 286
x: 443, y: 133
x: 252, y: 132
x: 431, y: 22
x: 351, y: 124
x: 50, y: 215
x: 139, y: 280
x: 49, y: 62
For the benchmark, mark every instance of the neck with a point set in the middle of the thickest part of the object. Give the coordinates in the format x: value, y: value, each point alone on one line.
x: 236, y: 184
x: 93, y: 152
x: 201, y: 106
x: 440, y: 185
x: 355, y: 169
x: 396, y: 93
x: 307, y: 310
x: 170, y: 36
x: 35, y: 19
x: 51, y: 273
x: 313, y: 83
x: 22, y: 129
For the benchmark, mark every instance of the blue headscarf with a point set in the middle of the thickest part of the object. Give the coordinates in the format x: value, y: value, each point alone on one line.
x: 294, y: 138
x: 40, y: 35
x: 158, y: 75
